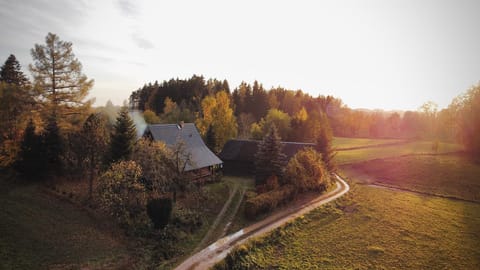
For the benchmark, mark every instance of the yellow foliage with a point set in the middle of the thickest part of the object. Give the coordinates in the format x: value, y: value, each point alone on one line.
x: 306, y: 171
x: 123, y: 196
x: 301, y: 115
x: 217, y: 112
x: 170, y: 106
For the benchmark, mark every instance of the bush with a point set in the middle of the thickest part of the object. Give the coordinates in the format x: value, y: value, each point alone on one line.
x: 272, y: 183
x: 123, y: 196
x: 306, y: 171
x: 187, y: 219
x: 159, y: 211
x: 268, y: 201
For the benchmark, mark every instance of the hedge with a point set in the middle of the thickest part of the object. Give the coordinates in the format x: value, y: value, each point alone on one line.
x: 268, y: 201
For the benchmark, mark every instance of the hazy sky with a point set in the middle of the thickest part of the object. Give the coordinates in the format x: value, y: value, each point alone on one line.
x: 371, y: 54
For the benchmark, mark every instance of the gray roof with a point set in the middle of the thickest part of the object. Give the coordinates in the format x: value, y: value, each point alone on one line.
x: 245, y: 150
x: 170, y: 134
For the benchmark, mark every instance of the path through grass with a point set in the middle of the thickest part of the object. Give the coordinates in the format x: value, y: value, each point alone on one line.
x: 374, y: 229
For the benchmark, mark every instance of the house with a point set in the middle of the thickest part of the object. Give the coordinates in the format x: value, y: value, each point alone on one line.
x: 203, y: 162
x: 239, y: 155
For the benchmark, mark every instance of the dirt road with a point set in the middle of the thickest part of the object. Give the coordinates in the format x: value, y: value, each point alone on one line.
x: 212, y: 254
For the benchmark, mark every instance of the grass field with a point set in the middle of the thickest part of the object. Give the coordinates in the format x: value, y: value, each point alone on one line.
x: 382, y: 228
x: 452, y: 175
x: 373, y: 229
x: 37, y: 231
x: 407, y: 148
x: 346, y: 143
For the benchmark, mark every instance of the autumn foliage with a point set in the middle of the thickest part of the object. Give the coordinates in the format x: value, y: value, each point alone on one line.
x: 306, y: 171
x: 268, y: 201
x: 123, y: 196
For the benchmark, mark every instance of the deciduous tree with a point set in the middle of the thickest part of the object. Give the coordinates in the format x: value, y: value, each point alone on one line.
x: 467, y: 111
x: 324, y: 145
x: 123, y: 195
x: 58, y: 76
x: 306, y: 171
x: 217, y: 113
x: 155, y: 159
x: 279, y: 119
x: 94, y: 141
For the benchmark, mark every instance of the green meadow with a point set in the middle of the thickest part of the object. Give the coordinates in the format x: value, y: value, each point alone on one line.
x: 377, y: 227
x: 39, y: 231
x: 372, y: 228
x: 400, y: 149
x: 348, y: 143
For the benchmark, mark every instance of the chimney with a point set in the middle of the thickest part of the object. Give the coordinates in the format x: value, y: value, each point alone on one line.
x: 180, y: 125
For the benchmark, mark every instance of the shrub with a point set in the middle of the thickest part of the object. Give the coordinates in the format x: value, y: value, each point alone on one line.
x: 272, y: 183
x: 123, y: 196
x: 159, y: 211
x: 268, y: 201
x: 187, y: 219
x: 306, y: 171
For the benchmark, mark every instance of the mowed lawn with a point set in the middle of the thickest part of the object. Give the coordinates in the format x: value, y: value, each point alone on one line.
x: 374, y: 228
x: 38, y: 231
x: 451, y: 175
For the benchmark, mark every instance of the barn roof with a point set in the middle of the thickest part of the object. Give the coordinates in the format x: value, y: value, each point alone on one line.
x: 245, y: 150
x: 170, y: 134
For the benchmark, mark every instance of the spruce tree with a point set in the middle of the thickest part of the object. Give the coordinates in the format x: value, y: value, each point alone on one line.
x: 11, y: 72
x: 54, y: 146
x: 269, y: 159
x: 123, y: 137
x: 324, y: 144
x: 16, y: 106
x: 31, y: 162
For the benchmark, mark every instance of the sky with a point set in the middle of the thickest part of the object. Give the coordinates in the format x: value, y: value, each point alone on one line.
x: 371, y: 54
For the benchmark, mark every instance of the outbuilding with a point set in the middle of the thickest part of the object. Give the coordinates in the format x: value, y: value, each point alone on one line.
x: 239, y: 155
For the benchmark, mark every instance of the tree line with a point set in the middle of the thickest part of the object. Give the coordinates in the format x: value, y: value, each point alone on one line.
x: 297, y: 115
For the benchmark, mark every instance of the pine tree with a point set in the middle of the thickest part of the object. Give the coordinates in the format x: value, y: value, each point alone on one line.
x: 16, y: 98
x: 31, y: 162
x: 58, y: 76
x: 54, y: 146
x: 123, y: 137
x: 269, y: 159
x: 11, y: 72
x: 324, y: 144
